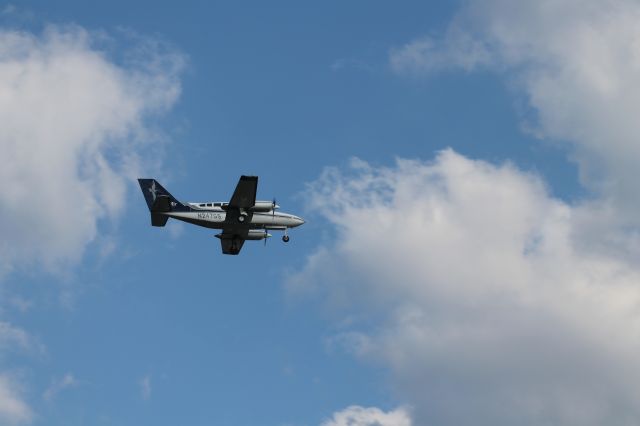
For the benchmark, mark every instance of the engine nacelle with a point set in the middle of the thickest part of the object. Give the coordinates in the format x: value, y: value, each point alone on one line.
x: 257, y: 234
x: 263, y: 206
x: 254, y: 234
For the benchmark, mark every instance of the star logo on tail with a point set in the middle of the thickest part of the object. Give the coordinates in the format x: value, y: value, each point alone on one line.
x: 153, y: 190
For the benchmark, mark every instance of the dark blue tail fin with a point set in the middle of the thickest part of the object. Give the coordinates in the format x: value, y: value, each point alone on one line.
x: 158, y: 199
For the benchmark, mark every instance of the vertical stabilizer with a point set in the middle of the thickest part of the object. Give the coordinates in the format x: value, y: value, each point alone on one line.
x: 159, y: 201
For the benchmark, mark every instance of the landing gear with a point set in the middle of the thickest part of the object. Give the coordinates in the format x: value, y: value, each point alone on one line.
x: 285, y: 238
x: 242, y: 215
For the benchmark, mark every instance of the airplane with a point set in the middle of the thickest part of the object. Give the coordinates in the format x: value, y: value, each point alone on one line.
x: 242, y: 218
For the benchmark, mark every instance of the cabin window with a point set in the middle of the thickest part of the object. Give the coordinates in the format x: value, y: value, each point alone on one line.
x: 208, y: 204
x: 217, y: 204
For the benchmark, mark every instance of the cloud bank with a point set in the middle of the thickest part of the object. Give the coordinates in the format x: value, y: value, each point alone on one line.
x: 59, y: 385
x: 13, y: 410
x: 75, y: 123
x: 360, y: 416
x: 76, y: 126
x: 577, y: 62
x: 470, y: 287
x: 13, y: 407
x: 492, y: 302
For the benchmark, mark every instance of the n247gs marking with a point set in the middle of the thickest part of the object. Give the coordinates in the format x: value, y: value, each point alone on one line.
x: 210, y: 216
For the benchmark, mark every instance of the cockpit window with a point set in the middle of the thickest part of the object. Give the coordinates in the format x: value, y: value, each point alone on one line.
x: 208, y: 204
x: 203, y: 205
x: 217, y: 204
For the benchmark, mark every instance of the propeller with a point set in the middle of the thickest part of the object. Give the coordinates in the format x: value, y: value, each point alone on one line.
x: 273, y: 210
x: 273, y: 215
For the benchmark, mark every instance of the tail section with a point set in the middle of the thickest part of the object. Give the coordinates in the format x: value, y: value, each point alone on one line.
x: 159, y: 201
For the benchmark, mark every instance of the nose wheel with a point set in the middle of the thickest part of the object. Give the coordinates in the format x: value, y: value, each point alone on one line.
x: 285, y: 237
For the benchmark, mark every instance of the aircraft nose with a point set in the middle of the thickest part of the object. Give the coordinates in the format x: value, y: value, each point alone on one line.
x: 298, y: 221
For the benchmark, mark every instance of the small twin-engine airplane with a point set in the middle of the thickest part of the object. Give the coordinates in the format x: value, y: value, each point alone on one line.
x: 242, y: 218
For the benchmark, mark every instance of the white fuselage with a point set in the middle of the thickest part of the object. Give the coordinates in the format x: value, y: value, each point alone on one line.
x: 212, y: 215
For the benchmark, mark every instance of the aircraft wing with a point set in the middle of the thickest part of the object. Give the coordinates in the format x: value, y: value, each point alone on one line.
x: 244, y: 197
x: 234, y: 230
x: 231, y: 243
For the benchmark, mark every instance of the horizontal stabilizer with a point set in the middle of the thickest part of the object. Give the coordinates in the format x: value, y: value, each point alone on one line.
x: 161, y: 204
x: 158, y: 219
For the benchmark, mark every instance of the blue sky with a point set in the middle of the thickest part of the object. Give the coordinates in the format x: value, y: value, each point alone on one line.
x: 449, y: 107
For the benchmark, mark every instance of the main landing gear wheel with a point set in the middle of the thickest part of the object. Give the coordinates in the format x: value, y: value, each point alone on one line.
x: 241, y: 218
x: 285, y: 238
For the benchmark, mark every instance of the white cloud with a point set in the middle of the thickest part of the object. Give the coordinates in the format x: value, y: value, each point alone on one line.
x: 558, y: 338
x: 20, y: 303
x: 14, y: 338
x: 10, y: 336
x: 73, y: 132
x: 176, y: 229
x: 145, y: 387
x: 13, y: 409
x: 457, y: 49
x: 59, y: 385
x: 484, y: 305
x: 578, y: 64
x: 8, y: 9
x: 76, y: 123
x: 360, y: 416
